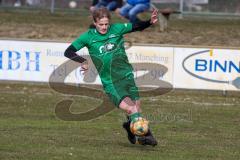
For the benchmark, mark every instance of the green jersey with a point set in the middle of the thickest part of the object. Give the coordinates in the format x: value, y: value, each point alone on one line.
x: 107, y: 52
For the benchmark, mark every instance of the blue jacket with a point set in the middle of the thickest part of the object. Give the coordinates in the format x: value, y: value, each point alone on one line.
x: 134, y: 2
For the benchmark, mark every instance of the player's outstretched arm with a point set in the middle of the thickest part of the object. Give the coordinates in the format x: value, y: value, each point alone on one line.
x: 70, y: 53
x: 145, y: 24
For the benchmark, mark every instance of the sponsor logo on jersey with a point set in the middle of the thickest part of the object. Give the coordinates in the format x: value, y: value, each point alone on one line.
x: 112, y: 36
x: 108, y: 47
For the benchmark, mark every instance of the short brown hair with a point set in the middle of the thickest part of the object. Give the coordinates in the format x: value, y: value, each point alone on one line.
x: 101, y: 13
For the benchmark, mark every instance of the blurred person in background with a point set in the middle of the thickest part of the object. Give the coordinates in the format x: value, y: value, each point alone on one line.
x: 92, y: 7
x: 32, y: 2
x: 132, y: 8
x: 19, y: 3
x: 111, y: 5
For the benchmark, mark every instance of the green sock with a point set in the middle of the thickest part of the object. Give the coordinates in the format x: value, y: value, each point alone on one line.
x: 134, y: 116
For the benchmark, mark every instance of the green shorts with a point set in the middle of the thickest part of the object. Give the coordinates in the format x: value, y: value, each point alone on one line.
x: 123, y: 88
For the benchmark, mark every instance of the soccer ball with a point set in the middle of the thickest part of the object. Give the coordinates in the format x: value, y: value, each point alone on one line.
x: 139, y: 126
x: 72, y: 4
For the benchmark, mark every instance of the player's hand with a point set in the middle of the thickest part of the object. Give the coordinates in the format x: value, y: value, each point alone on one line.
x: 154, y: 16
x: 84, y: 68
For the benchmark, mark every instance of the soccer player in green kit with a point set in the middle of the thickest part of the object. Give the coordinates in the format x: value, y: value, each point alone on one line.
x: 105, y: 44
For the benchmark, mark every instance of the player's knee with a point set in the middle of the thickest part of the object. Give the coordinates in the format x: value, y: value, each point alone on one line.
x: 131, y: 110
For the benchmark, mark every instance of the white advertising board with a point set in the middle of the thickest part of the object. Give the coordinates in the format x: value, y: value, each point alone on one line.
x: 185, y: 68
x: 158, y: 61
x: 203, y: 68
x: 37, y: 61
x: 30, y: 61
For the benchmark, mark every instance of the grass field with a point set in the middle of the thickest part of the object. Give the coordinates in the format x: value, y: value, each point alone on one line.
x: 188, y: 125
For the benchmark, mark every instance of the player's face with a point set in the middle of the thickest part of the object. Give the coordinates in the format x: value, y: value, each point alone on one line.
x: 102, y: 25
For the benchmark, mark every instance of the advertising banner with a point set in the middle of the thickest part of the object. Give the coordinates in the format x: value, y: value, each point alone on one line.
x: 29, y: 61
x: 37, y: 61
x: 178, y: 67
x: 203, y: 68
